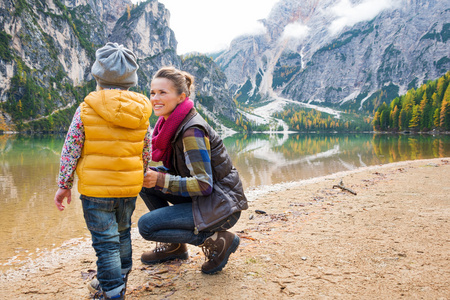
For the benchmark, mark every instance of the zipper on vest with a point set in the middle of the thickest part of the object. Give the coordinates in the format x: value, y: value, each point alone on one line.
x: 195, y: 230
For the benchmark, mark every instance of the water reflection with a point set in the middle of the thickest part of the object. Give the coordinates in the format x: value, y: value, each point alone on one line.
x: 409, y: 147
x: 29, y: 168
x: 28, y: 218
x: 269, y: 159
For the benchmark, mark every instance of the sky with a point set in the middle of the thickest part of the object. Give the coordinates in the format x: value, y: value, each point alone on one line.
x: 207, y: 26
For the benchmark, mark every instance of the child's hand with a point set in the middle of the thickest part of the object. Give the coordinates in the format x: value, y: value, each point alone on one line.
x: 59, y: 198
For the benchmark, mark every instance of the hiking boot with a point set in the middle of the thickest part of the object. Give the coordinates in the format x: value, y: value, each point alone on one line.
x: 165, y: 252
x: 217, y: 249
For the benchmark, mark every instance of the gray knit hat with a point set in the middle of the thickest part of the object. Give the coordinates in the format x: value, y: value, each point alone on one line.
x: 115, y: 66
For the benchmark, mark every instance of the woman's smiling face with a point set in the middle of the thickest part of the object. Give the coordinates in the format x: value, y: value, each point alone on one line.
x: 164, y: 97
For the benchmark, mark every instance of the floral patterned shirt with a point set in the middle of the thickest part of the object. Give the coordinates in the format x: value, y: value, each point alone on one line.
x: 73, y: 144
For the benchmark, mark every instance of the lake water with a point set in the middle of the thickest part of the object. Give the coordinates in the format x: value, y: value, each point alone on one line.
x: 30, y: 224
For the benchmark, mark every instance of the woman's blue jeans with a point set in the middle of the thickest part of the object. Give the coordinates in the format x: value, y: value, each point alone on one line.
x: 174, y: 223
x: 109, y: 221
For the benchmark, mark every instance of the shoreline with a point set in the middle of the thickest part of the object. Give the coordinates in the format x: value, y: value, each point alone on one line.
x: 80, y: 245
x: 227, y: 134
x: 298, y: 215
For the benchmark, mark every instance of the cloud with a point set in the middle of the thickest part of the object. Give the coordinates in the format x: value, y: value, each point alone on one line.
x: 348, y: 14
x: 295, y: 31
x: 255, y: 28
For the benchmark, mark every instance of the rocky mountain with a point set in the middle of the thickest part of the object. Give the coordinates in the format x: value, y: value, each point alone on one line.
x: 48, y: 47
x: 212, y: 90
x: 340, y: 52
x: 146, y: 30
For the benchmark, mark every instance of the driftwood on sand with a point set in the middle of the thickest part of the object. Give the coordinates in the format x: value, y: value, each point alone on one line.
x: 342, y: 187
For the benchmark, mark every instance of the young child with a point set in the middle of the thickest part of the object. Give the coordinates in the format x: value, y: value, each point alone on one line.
x: 108, y: 144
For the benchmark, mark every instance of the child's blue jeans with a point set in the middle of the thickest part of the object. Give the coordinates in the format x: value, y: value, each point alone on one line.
x: 109, y: 221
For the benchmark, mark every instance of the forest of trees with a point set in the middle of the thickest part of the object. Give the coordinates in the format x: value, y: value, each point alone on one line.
x: 421, y: 110
x: 424, y: 109
x: 303, y: 119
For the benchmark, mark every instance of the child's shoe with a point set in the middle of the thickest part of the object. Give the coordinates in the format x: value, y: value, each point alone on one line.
x: 100, y: 295
x: 94, y: 285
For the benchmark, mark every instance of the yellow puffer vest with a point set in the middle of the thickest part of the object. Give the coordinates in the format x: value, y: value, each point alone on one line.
x: 115, y: 123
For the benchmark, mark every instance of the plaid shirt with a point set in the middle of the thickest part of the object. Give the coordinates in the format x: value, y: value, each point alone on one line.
x: 197, y: 154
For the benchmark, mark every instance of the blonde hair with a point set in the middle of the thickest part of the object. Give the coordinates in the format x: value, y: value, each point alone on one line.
x: 182, y: 81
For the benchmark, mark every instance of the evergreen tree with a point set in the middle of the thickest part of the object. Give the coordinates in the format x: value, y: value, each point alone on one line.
x: 384, y: 119
x: 441, y: 86
x: 425, y: 113
x: 395, y: 118
x: 436, y: 118
x: 414, y: 122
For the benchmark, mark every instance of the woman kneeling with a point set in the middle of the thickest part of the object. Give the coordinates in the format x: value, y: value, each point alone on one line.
x: 197, y: 195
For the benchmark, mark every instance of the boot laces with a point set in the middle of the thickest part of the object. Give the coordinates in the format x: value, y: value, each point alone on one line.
x: 161, y: 247
x: 210, y: 251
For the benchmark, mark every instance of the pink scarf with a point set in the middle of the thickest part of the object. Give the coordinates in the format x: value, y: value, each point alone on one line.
x: 165, y: 130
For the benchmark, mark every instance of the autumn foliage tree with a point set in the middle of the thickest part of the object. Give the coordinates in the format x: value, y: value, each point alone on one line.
x: 304, y: 119
x: 423, y: 109
x: 444, y: 116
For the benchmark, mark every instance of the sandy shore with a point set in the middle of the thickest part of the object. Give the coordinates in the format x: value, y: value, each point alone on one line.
x: 389, y: 241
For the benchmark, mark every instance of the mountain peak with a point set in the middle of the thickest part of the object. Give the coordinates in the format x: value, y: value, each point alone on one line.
x: 337, y: 51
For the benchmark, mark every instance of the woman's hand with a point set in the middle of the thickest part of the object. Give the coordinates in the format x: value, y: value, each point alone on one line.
x: 59, y: 198
x: 150, y: 178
